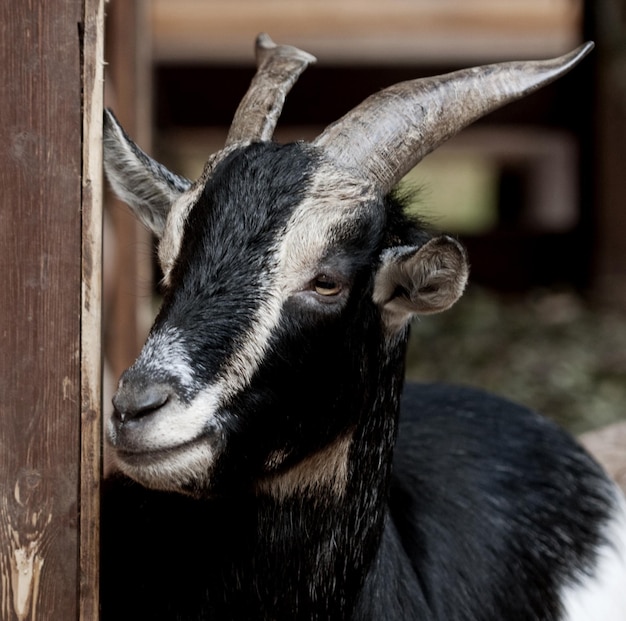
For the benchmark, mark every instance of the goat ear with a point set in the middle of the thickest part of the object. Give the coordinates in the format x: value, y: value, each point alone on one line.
x: 146, y: 186
x: 420, y: 280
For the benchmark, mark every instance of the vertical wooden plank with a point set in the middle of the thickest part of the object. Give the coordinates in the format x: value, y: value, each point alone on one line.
x: 91, y: 305
x: 40, y: 280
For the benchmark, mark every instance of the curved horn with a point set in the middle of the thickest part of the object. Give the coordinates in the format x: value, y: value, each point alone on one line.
x: 391, y: 131
x: 278, y: 67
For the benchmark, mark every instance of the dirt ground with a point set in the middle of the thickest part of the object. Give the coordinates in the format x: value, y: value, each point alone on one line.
x: 551, y: 350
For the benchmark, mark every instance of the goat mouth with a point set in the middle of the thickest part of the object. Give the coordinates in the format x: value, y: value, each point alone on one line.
x: 145, y: 457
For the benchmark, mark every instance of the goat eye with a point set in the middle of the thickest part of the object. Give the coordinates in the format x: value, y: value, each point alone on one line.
x: 325, y: 285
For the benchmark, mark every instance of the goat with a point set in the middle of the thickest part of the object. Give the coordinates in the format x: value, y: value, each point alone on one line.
x: 271, y: 466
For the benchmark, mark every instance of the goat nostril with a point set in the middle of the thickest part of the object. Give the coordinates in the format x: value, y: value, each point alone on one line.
x: 129, y: 403
x: 151, y: 400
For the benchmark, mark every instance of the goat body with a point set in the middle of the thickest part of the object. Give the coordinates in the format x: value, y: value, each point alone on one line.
x: 260, y: 474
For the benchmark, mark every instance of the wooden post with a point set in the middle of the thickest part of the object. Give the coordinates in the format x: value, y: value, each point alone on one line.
x: 50, y: 111
x: 91, y: 305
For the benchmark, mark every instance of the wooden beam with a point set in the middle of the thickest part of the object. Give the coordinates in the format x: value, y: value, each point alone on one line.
x: 355, y: 31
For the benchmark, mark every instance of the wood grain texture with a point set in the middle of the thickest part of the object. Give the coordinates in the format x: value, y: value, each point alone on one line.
x: 91, y: 305
x: 40, y: 314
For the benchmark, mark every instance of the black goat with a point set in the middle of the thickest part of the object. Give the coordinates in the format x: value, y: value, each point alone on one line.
x: 256, y: 430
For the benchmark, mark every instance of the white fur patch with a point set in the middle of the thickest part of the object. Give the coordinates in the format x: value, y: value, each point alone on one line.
x: 602, y: 595
x: 333, y: 200
x: 327, y: 469
x: 171, y: 240
x: 188, y: 466
x: 169, y: 246
x: 164, y: 353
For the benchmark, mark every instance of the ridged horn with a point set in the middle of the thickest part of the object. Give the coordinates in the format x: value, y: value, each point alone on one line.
x: 278, y: 68
x: 391, y: 131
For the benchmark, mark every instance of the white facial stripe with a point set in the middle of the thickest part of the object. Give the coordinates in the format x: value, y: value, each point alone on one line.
x: 169, y: 246
x: 239, y: 369
x: 170, y: 243
x: 602, y: 594
x: 333, y: 200
x: 164, y: 354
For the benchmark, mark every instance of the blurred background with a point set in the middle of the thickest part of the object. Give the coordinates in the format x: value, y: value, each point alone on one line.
x: 535, y: 190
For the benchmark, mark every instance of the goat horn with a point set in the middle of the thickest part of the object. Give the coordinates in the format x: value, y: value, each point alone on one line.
x: 278, y: 68
x: 391, y: 131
